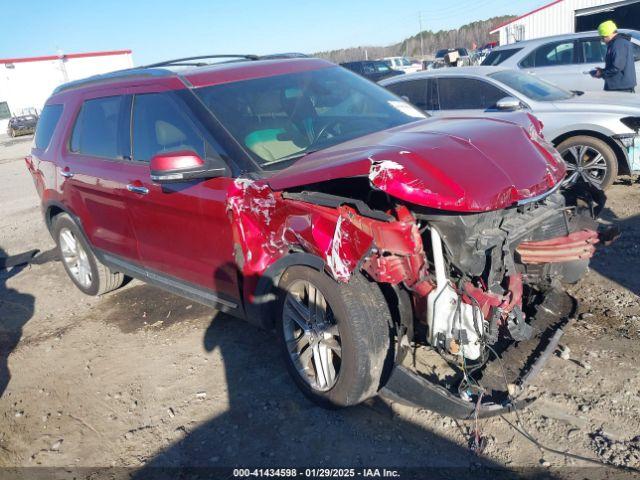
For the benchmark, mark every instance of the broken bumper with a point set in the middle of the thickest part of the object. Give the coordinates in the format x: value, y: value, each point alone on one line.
x: 407, y: 387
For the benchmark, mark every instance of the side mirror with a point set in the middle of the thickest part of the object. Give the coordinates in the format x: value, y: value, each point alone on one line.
x: 184, y: 165
x: 508, y: 104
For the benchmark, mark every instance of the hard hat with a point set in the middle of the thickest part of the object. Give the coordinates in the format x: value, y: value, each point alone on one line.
x: 607, y: 28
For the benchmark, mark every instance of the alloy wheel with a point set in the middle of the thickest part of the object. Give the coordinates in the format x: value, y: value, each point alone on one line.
x: 586, y: 163
x: 311, y: 335
x: 75, y: 257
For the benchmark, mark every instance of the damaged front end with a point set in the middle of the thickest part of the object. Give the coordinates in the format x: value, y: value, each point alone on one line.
x: 477, y: 279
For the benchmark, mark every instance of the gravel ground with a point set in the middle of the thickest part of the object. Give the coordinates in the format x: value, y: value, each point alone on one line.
x: 140, y: 378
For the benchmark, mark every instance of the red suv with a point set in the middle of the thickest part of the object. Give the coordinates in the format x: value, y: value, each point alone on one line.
x: 298, y: 195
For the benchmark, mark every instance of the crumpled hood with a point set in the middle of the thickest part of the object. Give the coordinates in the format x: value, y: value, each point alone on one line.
x: 458, y: 164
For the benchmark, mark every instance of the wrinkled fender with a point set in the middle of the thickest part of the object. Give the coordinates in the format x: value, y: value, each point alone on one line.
x: 260, y: 310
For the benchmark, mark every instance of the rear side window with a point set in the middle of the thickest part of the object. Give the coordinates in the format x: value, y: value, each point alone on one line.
x: 95, y: 132
x: 161, y: 124
x: 414, y: 91
x: 496, y: 57
x: 46, y: 125
x: 593, y: 50
x: 551, y: 54
x: 467, y: 93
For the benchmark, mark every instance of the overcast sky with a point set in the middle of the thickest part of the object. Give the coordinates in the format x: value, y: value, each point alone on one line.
x: 162, y: 29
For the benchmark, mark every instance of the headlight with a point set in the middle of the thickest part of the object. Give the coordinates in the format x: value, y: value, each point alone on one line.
x: 626, y: 139
x: 631, y: 122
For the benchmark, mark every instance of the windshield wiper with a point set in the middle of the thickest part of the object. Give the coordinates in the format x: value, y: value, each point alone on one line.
x: 293, y: 156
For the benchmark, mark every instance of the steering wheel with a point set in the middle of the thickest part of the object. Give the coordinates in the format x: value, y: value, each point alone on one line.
x: 324, y: 131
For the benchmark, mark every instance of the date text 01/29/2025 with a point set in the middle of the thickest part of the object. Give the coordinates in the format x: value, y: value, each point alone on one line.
x: 315, y: 472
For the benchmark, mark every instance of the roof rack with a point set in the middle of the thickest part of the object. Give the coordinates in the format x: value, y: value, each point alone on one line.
x: 189, y: 61
x: 155, y: 69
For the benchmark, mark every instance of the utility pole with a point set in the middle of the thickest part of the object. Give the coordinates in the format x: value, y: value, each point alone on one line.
x: 421, y: 37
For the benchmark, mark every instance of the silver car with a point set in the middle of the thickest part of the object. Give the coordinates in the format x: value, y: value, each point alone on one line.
x: 564, y: 60
x: 595, y: 132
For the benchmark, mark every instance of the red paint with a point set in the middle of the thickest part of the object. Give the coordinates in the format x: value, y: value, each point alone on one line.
x: 223, y: 233
x: 458, y: 164
x: 167, y: 162
x: 65, y: 56
x: 236, y: 72
x: 575, y: 246
x: 525, y: 15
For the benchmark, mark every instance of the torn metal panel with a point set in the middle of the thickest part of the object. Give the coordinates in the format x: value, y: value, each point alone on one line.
x: 578, y: 245
x: 267, y: 226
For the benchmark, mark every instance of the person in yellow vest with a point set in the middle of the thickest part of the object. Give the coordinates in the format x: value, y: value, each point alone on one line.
x: 619, y: 72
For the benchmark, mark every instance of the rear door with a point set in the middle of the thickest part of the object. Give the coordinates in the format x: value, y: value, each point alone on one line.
x: 460, y: 96
x: 183, y: 230
x: 557, y: 62
x: 414, y: 91
x: 95, y: 169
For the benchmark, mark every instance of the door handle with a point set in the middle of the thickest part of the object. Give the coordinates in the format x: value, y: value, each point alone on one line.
x: 137, y: 189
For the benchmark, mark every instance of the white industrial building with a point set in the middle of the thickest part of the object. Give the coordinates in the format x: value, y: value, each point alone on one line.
x: 26, y: 83
x: 569, y: 16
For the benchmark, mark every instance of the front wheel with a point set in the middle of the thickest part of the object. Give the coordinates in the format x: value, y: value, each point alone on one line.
x: 590, y: 160
x: 335, y: 337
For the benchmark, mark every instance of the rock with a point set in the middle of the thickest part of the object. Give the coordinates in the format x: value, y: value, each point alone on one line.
x: 565, y: 352
x: 56, y: 446
x: 171, y: 412
x: 586, y: 315
x: 201, y: 395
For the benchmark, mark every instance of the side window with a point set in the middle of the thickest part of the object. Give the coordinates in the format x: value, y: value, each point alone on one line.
x: 551, y: 54
x: 496, y: 57
x: 593, y: 50
x: 47, y: 124
x: 467, y: 93
x: 415, y: 91
x: 96, y: 131
x: 636, y: 52
x: 368, y: 68
x: 161, y: 124
x: 381, y: 67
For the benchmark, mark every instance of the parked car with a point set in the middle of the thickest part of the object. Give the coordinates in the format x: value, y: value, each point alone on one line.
x: 595, y: 132
x: 374, y: 70
x: 301, y: 197
x: 21, y: 125
x: 403, y: 64
x: 462, y: 57
x: 565, y: 60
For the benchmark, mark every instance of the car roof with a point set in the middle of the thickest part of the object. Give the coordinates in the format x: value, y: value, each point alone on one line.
x: 552, y: 38
x: 476, y: 71
x: 200, y: 76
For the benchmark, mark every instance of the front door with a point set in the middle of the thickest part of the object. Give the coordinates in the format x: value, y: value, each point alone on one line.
x: 182, y: 229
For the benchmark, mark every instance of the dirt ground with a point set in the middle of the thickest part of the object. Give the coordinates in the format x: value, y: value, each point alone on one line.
x: 141, y: 378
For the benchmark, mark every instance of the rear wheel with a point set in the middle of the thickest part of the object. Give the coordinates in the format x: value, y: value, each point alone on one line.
x: 335, y: 337
x: 589, y: 159
x: 85, y: 270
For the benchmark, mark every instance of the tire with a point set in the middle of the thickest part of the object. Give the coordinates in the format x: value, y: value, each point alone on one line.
x: 93, y: 278
x: 358, y: 317
x: 12, y: 133
x: 603, y: 172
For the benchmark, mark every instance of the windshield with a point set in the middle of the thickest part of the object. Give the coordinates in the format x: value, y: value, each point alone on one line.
x: 531, y: 86
x: 405, y: 62
x: 441, y: 53
x: 283, y: 117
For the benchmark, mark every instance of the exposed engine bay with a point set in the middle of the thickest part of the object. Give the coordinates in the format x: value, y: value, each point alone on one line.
x: 473, y: 270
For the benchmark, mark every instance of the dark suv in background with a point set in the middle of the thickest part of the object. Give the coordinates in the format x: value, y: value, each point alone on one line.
x: 374, y: 70
x: 22, y: 125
